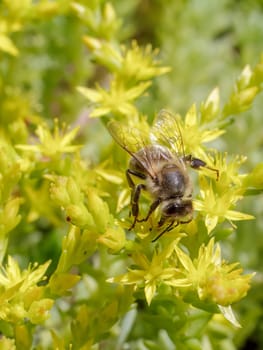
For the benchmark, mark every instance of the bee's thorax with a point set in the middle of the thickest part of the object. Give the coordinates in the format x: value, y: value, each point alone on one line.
x: 171, y: 182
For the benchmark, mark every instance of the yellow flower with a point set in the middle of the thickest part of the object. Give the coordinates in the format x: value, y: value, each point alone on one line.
x: 20, y: 295
x: 130, y: 64
x: 139, y: 63
x: 150, y: 273
x: 194, y: 134
x: 228, y: 170
x: 11, y: 275
x: 216, y: 206
x: 226, y: 285
x: 213, y: 279
x: 51, y: 145
x: 118, y: 100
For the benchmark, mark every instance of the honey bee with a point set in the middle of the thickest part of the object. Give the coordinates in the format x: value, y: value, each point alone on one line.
x: 159, y: 160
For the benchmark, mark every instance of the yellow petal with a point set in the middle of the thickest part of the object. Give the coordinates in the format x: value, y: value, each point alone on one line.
x: 99, y: 112
x: 227, y: 312
x: 210, y: 135
x: 149, y: 291
x: 7, y: 45
x: 190, y: 118
x: 184, y: 259
x: 236, y: 215
x: 90, y: 94
x: 210, y: 222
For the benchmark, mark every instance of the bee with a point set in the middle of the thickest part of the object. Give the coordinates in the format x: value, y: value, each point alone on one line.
x: 158, y: 159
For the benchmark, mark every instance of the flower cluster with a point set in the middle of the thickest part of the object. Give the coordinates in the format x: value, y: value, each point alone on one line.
x: 21, y: 297
x: 206, y: 277
x: 132, y: 71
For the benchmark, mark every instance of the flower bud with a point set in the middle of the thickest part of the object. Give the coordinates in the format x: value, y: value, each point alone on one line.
x: 74, y: 192
x: 92, y: 43
x: 59, y: 193
x: 39, y: 310
x: 98, y: 209
x: 78, y: 215
x: 114, y: 238
x: 225, y: 289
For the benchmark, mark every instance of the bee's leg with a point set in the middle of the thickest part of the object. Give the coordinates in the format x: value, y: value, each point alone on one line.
x: 130, y: 172
x: 135, y: 195
x: 152, y: 208
x: 135, y: 202
x: 167, y: 229
x: 186, y: 222
x: 162, y: 221
x: 197, y: 163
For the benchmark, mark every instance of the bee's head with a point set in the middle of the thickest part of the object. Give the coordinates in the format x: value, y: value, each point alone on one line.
x: 177, y: 208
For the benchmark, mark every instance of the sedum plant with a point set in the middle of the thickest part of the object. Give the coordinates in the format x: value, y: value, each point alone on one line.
x: 72, y: 275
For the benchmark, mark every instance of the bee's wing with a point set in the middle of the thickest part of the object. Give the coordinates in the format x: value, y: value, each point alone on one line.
x: 132, y: 140
x: 166, y: 131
